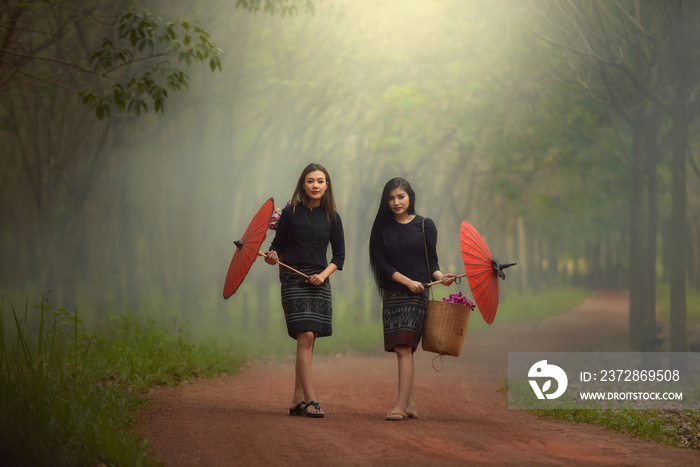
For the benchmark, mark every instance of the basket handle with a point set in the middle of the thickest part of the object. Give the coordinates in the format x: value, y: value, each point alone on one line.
x: 427, y: 263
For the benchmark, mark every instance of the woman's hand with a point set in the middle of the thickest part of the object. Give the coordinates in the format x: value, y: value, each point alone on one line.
x: 316, y: 279
x: 321, y: 277
x: 271, y: 257
x: 415, y: 286
x: 447, y: 279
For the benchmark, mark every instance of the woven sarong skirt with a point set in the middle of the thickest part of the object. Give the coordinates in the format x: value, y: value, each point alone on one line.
x: 403, y: 315
x: 306, y: 307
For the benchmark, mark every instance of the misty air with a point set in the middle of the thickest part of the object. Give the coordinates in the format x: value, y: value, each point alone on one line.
x: 330, y: 232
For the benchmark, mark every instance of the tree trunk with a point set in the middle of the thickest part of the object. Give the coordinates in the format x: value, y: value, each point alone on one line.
x: 679, y: 248
x: 694, y: 253
x: 649, y: 301
x: 523, y: 260
x: 683, y: 82
x: 637, y: 253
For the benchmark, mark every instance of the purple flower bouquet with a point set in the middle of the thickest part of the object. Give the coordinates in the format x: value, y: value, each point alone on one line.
x: 275, y: 218
x: 460, y: 299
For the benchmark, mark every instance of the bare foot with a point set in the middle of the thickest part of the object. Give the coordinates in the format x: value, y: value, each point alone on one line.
x: 411, y: 412
x: 396, y: 416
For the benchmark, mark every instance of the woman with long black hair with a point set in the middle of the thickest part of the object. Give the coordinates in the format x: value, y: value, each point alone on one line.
x: 402, y: 258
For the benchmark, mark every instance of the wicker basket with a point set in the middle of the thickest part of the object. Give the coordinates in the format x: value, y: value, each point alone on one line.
x: 445, y: 327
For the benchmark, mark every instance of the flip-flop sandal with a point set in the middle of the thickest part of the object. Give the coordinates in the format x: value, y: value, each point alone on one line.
x: 396, y: 417
x: 411, y: 415
x: 297, y: 409
x: 306, y: 413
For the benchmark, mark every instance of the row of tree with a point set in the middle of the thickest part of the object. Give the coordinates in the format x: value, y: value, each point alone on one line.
x: 639, y: 61
x: 556, y: 128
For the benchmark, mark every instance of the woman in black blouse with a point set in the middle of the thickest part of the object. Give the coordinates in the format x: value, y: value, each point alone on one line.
x: 305, y: 229
x: 402, y: 257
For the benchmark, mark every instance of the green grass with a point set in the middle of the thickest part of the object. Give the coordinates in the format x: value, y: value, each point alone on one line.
x: 140, y: 352
x: 663, y: 303
x: 677, y: 428
x: 68, y: 398
x: 361, y: 331
x: 348, y: 336
x: 674, y: 427
x: 517, y: 307
x: 680, y: 428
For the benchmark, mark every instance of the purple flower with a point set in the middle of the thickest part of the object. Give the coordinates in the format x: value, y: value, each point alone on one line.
x: 460, y: 299
x: 275, y: 218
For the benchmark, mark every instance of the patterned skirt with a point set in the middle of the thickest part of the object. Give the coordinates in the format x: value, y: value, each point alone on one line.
x: 403, y: 315
x: 306, y: 307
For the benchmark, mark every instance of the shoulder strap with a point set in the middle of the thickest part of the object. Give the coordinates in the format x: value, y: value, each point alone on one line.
x: 425, y: 245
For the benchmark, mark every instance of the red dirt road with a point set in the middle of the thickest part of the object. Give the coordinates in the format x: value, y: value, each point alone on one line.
x: 464, y: 418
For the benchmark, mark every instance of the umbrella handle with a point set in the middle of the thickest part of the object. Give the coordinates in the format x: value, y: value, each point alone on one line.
x: 429, y: 284
x: 260, y: 253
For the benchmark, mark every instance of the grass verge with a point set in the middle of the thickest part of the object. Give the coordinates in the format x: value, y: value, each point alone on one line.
x: 531, y: 306
x: 663, y: 303
x: 679, y: 428
x: 364, y: 333
x: 68, y: 398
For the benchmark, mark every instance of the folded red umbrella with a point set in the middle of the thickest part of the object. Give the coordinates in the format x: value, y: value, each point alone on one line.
x: 247, y: 248
x: 482, y: 270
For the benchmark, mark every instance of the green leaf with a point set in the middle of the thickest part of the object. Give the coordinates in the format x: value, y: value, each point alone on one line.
x: 140, y: 34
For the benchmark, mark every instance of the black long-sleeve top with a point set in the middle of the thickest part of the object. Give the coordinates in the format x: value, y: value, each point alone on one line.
x: 400, y: 247
x: 303, y: 235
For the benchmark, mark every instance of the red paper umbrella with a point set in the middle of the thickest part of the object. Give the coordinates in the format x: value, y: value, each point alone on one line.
x: 248, y: 247
x: 483, y: 270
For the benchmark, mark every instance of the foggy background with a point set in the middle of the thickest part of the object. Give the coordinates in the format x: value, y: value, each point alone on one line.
x: 139, y: 214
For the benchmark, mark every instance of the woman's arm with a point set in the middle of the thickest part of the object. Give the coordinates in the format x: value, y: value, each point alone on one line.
x: 320, y: 278
x: 279, y: 244
x: 337, y: 240
x: 431, y: 235
x: 445, y: 279
x: 413, y: 286
x: 431, y: 241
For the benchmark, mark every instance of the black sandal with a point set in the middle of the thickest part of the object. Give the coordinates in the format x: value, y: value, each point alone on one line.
x: 306, y: 412
x: 297, y: 409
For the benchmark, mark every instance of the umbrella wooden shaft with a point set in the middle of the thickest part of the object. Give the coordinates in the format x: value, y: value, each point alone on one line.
x: 260, y: 253
x: 437, y: 282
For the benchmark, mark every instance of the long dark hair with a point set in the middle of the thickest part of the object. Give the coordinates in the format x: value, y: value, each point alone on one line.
x: 300, y: 196
x: 385, y: 216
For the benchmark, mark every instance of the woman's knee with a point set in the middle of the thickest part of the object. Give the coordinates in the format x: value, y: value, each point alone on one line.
x: 306, y: 339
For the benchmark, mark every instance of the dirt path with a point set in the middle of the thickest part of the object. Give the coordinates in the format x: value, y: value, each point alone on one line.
x: 464, y: 419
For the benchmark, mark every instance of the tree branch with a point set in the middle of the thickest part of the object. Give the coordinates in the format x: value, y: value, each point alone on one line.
x: 37, y: 78
x: 82, y: 68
